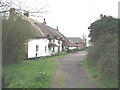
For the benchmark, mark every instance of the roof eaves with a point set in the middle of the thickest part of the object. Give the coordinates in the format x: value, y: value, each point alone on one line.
x: 32, y: 22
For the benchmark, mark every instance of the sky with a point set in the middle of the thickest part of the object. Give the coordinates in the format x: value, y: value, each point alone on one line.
x: 73, y: 17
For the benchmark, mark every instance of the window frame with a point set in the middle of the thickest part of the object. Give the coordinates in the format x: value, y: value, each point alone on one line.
x: 37, y: 48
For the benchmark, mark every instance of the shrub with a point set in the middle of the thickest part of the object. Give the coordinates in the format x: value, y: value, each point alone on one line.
x: 14, y: 34
x: 103, y: 53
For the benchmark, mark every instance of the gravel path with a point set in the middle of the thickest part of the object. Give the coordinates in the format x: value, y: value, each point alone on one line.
x: 70, y: 73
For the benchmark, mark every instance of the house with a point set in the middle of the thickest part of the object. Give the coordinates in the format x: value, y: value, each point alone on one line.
x: 48, y: 40
x: 77, y: 41
x: 75, y: 46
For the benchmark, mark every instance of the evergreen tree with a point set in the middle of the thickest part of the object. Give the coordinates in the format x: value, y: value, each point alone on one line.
x: 103, y: 53
x: 15, y: 31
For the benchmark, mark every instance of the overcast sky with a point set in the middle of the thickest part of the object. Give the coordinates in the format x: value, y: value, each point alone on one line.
x: 73, y: 17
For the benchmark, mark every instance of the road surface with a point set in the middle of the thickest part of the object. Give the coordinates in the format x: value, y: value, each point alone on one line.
x: 70, y: 74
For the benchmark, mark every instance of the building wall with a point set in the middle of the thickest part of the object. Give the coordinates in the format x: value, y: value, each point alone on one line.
x: 80, y: 44
x: 71, y: 48
x: 64, y: 48
x: 59, y: 45
x: 42, y: 45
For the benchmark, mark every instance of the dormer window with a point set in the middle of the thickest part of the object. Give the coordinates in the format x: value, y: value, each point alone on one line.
x: 53, y: 40
x: 48, y: 35
x: 59, y: 42
x: 55, y: 37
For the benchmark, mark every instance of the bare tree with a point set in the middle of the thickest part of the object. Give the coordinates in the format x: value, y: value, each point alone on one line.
x: 23, y: 6
x: 84, y: 39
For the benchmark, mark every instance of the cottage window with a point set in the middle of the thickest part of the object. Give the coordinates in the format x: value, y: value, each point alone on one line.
x: 53, y: 40
x: 59, y: 42
x: 59, y: 48
x: 45, y: 48
x: 37, y: 48
x: 53, y: 49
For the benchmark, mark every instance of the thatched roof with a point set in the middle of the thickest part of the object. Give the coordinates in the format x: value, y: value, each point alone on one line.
x: 75, y: 39
x: 69, y: 43
x: 72, y: 43
x: 45, y: 31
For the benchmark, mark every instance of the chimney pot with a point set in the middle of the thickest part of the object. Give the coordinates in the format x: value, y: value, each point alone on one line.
x: 12, y: 10
x: 26, y: 14
x: 44, y: 21
x: 57, y: 27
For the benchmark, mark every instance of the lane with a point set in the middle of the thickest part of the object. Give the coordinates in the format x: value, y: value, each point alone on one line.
x: 70, y: 73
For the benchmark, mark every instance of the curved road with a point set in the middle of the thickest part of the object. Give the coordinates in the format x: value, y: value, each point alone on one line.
x: 70, y: 73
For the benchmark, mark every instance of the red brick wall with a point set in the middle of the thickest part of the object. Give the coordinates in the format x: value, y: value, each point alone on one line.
x: 80, y: 44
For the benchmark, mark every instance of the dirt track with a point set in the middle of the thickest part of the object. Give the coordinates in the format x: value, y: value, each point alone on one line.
x: 70, y: 73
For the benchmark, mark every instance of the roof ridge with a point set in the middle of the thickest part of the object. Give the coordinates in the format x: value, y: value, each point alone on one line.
x: 30, y: 20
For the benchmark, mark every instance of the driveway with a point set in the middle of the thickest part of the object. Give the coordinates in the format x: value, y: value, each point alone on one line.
x: 70, y: 73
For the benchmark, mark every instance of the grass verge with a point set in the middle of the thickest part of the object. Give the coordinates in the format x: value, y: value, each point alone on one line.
x: 30, y: 74
x: 104, y: 81
x: 82, y: 86
x: 61, y: 81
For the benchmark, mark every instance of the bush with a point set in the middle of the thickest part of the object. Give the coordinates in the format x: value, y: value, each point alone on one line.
x: 30, y: 74
x: 14, y: 34
x: 103, y: 53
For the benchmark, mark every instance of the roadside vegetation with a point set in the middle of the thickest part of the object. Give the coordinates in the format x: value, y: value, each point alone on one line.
x: 102, y: 58
x: 20, y: 73
x: 36, y: 73
x: 14, y: 34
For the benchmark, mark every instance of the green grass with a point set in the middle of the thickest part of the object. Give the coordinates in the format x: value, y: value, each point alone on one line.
x: 30, y: 74
x: 82, y: 86
x: 104, y: 81
x: 61, y: 81
x: 36, y: 73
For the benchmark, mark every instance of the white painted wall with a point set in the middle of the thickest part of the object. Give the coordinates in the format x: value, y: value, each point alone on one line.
x: 71, y: 48
x: 58, y: 45
x: 42, y: 42
x: 50, y: 51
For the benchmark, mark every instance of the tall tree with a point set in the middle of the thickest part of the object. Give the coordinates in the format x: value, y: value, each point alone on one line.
x: 15, y: 31
x: 103, y: 53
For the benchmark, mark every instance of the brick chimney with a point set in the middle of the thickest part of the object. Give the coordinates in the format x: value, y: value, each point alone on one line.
x: 57, y: 28
x: 26, y: 14
x: 12, y: 10
x: 44, y: 21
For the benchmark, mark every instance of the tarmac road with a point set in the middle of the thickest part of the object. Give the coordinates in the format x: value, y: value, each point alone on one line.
x: 70, y: 73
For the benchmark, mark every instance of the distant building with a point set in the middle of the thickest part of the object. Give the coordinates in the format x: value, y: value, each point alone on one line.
x: 77, y: 40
